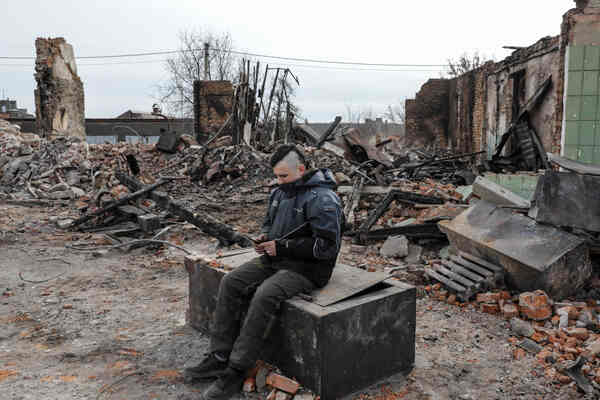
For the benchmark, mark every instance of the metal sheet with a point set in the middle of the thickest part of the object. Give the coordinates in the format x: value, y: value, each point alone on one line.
x: 345, y: 282
x: 572, y: 165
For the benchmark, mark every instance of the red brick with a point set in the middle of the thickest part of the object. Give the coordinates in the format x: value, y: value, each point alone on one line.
x: 555, y: 339
x: 518, y: 353
x: 539, y: 337
x: 487, y: 297
x: 535, y: 305
x: 572, y: 311
x: 249, y: 385
x: 489, y: 308
x: 451, y: 299
x: 564, y: 379
x: 571, y: 350
x: 510, y: 311
x: 505, y: 295
x: 281, y: 382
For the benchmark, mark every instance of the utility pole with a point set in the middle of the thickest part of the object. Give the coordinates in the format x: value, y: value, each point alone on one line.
x: 206, y: 63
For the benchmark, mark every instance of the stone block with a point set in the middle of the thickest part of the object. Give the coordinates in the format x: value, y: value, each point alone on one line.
x: 521, y: 328
x: 414, y: 254
x: 534, y: 256
x: 332, y: 350
x: 530, y: 346
x: 148, y: 222
x: 168, y: 142
x: 567, y: 199
x: 394, y: 246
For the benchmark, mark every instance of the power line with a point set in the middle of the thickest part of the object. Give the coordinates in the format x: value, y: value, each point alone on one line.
x: 309, y: 66
x: 312, y: 60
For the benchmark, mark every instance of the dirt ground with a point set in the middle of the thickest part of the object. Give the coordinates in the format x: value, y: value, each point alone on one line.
x: 83, y: 325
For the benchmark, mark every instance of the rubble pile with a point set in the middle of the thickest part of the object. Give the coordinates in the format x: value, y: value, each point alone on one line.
x: 556, y: 333
x: 443, y: 166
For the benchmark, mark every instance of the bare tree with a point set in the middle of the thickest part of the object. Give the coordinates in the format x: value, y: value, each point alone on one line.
x: 177, y: 93
x: 358, y: 114
x: 395, y: 113
x: 465, y: 63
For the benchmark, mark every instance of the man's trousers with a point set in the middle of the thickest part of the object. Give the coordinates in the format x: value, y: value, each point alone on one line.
x: 261, y: 288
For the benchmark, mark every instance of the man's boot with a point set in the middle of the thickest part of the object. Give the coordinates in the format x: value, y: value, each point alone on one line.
x: 228, y: 384
x: 210, y: 368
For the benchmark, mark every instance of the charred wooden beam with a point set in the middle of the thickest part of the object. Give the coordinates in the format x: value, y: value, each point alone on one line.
x: 207, y: 223
x: 414, y: 231
x: 139, y: 192
x: 329, y: 131
x: 412, y: 198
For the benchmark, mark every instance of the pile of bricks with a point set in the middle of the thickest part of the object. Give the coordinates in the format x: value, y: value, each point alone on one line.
x: 555, y: 332
x: 263, y: 378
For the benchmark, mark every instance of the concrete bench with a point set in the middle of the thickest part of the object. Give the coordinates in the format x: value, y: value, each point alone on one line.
x: 332, y: 350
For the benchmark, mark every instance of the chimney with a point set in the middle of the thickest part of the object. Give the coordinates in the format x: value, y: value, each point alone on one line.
x: 581, y: 4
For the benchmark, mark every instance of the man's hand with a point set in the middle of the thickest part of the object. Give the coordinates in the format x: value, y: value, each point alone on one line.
x: 268, y: 248
x: 260, y: 239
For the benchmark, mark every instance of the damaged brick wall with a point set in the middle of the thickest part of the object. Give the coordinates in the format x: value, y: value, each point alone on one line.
x: 527, y: 68
x: 479, y: 104
x: 59, y: 96
x: 427, y: 114
x: 467, y: 110
x: 212, y: 106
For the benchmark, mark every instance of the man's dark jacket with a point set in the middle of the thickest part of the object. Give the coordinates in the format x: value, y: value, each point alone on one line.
x: 312, y: 251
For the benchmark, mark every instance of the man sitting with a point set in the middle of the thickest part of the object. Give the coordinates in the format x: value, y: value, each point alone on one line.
x: 299, y: 244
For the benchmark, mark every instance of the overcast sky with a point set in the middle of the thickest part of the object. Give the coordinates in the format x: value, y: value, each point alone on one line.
x: 376, y: 31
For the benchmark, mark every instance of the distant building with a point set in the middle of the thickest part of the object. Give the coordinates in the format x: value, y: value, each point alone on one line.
x: 130, y: 114
x: 374, y: 127
x: 9, y: 109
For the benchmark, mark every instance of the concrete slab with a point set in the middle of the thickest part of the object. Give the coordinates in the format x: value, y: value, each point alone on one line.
x: 494, y: 193
x: 568, y: 199
x: 332, y: 350
x: 534, y: 256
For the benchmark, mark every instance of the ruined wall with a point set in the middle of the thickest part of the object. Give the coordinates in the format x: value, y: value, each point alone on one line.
x: 535, y: 64
x: 212, y: 106
x: 427, y: 115
x: 466, y: 105
x: 59, y: 95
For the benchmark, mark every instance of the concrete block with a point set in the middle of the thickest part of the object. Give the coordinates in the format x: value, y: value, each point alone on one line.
x: 567, y: 199
x: 332, y: 350
x: 534, y: 256
x: 148, y: 222
x: 168, y: 142
x: 394, y: 246
x: 494, y: 193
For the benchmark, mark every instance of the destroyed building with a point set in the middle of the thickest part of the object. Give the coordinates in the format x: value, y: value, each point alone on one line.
x: 59, y: 96
x: 473, y: 111
x: 212, y: 106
